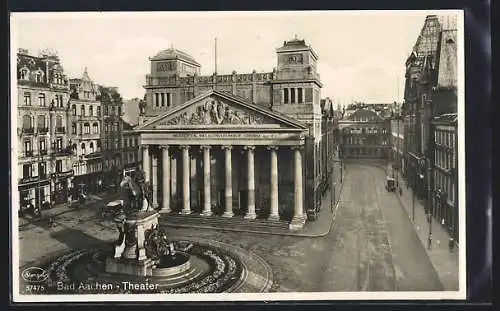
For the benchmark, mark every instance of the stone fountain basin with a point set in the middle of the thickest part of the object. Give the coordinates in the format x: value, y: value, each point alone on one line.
x: 172, y: 265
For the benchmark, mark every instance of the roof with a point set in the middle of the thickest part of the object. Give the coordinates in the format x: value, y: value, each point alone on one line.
x: 447, y: 70
x: 173, y: 53
x: 295, y: 45
x: 446, y: 118
x: 365, y: 113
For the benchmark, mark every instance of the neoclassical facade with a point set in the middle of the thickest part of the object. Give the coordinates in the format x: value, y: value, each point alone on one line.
x: 238, y: 144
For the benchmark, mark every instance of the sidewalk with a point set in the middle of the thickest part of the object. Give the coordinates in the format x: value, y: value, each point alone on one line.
x: 61, y: 209
x: 445, y: 263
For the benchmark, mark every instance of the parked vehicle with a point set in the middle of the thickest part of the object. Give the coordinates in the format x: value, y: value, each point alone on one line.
x: 390, y: 184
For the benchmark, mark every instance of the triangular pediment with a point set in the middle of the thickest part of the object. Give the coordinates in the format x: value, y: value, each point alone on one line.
x: 220, y: 109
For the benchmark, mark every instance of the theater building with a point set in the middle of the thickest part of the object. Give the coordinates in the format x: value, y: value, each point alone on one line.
x: 246, y: 145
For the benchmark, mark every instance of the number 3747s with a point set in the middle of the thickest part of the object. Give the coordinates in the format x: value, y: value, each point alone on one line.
x: 35, y: 288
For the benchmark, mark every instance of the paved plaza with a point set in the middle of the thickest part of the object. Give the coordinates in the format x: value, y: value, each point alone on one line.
x: 371, y: 245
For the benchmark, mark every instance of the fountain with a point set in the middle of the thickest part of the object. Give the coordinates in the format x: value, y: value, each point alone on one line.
x: 142, y: 248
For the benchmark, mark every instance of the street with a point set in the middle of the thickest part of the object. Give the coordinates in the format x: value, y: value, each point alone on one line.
x: 371, y: 247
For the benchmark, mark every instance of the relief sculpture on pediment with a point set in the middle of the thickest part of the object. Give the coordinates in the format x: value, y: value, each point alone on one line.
x: 214, y: 112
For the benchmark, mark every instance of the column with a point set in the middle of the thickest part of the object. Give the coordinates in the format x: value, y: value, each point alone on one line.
x: 298, y: 214
x: 296, y: 95
x: 228, y: 182
x: 173, y: 178
x: 154, y: 173
x: 274, y: 215
x: 207, y: 201
x: 165, y: 161
x: 186, y: 204
x: 303, y: 95
x: 145, y: 162
x: 251, y: 182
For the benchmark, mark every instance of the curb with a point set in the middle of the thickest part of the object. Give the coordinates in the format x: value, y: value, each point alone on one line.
x: 296, y: 234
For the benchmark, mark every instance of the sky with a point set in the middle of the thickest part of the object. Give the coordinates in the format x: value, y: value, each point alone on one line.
x: 361, y: 54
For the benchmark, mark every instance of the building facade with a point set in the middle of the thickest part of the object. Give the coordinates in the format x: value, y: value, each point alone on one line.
x: 112, y: 136
x: 365, y: 134
x: 130, y: 149
x: 86, y: 127
x: 195, y: 129
x: 445, y: 186
x: 397, y: 145
x: 430, y: 90
x: 44, y: 159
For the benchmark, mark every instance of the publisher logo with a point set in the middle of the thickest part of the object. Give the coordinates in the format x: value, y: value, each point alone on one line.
x: 34, y: 275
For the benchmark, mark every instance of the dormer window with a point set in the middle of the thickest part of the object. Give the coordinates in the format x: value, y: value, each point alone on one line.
x: 24, y: 74
x: 39, y: 77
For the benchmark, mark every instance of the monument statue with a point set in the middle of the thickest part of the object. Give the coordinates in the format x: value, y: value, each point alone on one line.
x: 136, y: 193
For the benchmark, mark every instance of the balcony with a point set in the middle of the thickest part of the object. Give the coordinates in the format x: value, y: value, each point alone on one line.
x: 60, y: 130
x: 62, y: 151
x: 42, y: 130
x: 28, y: 131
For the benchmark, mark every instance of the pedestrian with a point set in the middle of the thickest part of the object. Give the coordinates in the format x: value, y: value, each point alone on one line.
x: 99, y: 185
x: 429, y: 242
x: 451, y: 244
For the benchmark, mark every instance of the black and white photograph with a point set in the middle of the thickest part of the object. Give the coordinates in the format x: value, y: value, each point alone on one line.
x: 237, y: 156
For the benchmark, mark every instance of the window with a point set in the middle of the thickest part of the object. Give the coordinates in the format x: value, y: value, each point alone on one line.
x: 106, y: 128
x: 24, y: 74
x: 157, y: 99
x: 27, y: 170
x: 42, y: 145
x: 98, y: 111
x: 82, y: 110
x: 91, y: 147
x: 26, y: 122
x: 86, y: 128
x: 73, y: 128
x: 91, y: 110
x: 83, y: 147
x: 299, y: 94
x: 125, y: 143
x: 41, y: 123
x: 95, y: 128
x: 42, y: 172
x: 137, y: 141
x: 27, y: 99
x: 59, y: 143
x: 98, y: 144
x: 28, y: 148
x: 119, y: 111
x: 74, y: 109
x: 38, y: 77
x: 292, y: 95
x: 59, y: 124
x: 113, y: 110
x: 59, y: 167
x: 285, y: 96
x: 106, y: 110
x: 41, y: 99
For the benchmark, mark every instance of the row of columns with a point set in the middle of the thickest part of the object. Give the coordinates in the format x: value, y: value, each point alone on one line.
x: 250, y: 151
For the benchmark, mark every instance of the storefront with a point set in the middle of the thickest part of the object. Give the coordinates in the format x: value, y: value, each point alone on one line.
x: 62, y: 184
x: 33, y: 190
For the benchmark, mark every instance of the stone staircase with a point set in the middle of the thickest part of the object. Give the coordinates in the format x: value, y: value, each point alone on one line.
x: 235, y: 223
